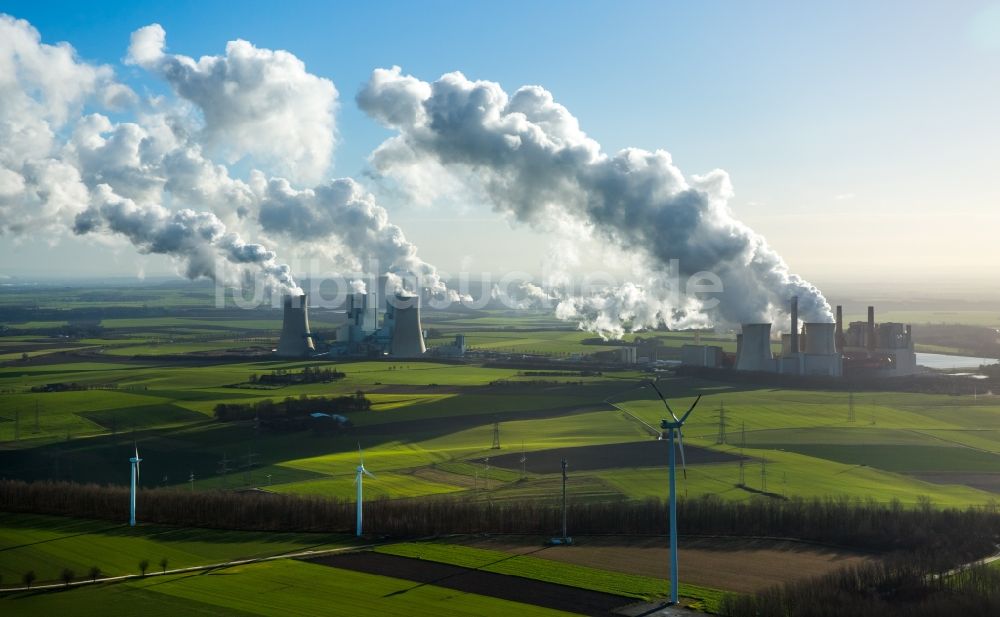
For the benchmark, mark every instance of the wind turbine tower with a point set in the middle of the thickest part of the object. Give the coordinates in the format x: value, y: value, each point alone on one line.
x: 359, y: 482
x: 135, y: 460
x: 672, y: 426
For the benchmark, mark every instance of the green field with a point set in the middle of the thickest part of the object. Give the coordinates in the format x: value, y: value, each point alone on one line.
x: 47, y: 544
x: 147, y: 381
x: 272, y: 589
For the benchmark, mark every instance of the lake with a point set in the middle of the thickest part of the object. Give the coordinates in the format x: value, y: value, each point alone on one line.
x: 946, y: 362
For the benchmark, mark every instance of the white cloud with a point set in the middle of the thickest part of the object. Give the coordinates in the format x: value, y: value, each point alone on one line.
x: 253, y: 101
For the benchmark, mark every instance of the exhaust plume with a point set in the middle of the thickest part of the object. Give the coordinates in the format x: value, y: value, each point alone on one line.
x: 536, y: 163
x: 343, y: 211
x: 194, y: 238
x: 150, y: 178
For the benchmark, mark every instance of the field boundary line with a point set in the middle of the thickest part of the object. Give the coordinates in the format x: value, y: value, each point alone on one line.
x: 213, y: 566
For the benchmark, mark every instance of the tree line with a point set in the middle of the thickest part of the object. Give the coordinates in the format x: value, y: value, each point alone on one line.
x: 308, y: 374
x: 900, y: 586
x: 946, y: 536
x: 291, y: 412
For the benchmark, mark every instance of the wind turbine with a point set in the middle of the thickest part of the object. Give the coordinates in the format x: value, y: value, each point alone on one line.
x: 670, y: 427
x: 135, y: 460
x: 359, y: 481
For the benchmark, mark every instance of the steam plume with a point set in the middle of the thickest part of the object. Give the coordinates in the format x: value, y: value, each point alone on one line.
x: 195, y: 238
x: 536, y: 163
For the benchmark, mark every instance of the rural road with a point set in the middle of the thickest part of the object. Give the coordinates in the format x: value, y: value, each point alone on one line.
x: 224, y: 564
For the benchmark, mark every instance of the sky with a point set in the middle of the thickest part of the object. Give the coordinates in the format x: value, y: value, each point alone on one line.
x: 861, y: 138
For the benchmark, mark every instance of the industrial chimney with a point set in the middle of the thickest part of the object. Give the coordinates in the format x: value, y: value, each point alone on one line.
x: 870, y: 336
x: 795, y: 325
x: 839, y: 334
x: 407, y: 333
x: 296, y: 339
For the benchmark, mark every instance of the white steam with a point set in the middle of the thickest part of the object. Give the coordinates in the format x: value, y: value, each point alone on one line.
x: 196, y: 239
x: 342, y: 211
x: 536, y: 163
x: 151, y: 179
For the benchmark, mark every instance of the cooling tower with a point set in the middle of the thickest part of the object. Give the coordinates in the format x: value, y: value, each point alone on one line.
x: 755, y: 348
x: 407, y: 334
x: 296, y: 340
x: 820, y: 338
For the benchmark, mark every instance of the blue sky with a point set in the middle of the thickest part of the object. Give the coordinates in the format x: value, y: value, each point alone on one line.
x: 856, y: 133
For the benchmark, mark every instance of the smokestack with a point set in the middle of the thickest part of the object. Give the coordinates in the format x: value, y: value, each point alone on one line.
x: 296, y: 340
x: 870, y: 336
x: 795, y: 324
x: 802, y: 339
x: 839, y: 334
x: 407, y: 333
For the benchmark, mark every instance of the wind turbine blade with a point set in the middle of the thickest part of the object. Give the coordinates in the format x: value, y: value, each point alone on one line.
x: 680, y: 444
x: 360, y: 455
x: 690, y: 409
x: 662, y: 398
x: 368, y: 473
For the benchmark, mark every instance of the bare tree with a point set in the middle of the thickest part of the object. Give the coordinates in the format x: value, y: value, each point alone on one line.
x: 143, y: 566
x: 67, y: 576
x: 163, y: 565
x: 28, y: 578
x: 94, y: 573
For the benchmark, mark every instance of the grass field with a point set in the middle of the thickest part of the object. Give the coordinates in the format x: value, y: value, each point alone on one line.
x: 445, y: 412
x: 272, y: 589
x: 619, y: 583
x: 47, y: 544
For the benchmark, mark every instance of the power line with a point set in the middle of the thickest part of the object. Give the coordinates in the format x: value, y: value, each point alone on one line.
x: 721, y: 439
x: 524, y: 459
x: 763, y: 475
x: 743, y: 443
x: 224, y: 470
x: 564, y: 465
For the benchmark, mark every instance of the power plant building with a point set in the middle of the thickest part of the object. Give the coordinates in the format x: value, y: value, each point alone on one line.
x: 709, y: 356
x: 865, y: 349
x: 400, y: 334
x: 884, y: 349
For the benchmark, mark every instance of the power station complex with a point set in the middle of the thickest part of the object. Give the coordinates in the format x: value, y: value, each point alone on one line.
x: 400, y: 334
x: 865, y: 349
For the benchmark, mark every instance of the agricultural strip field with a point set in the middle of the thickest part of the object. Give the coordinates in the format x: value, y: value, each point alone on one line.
x: 524, y: 590
x: 528, y: 565
x: 741, y: 565
x: 430, y: 424
x: 649, y: 453
x: 272, y: 589
x: 47, y: 544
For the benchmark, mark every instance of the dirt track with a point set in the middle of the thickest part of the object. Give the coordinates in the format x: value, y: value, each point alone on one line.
x: 650, y: 453
x: 528, y: 591
x: 743, y: 565
x: 984, y: 481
